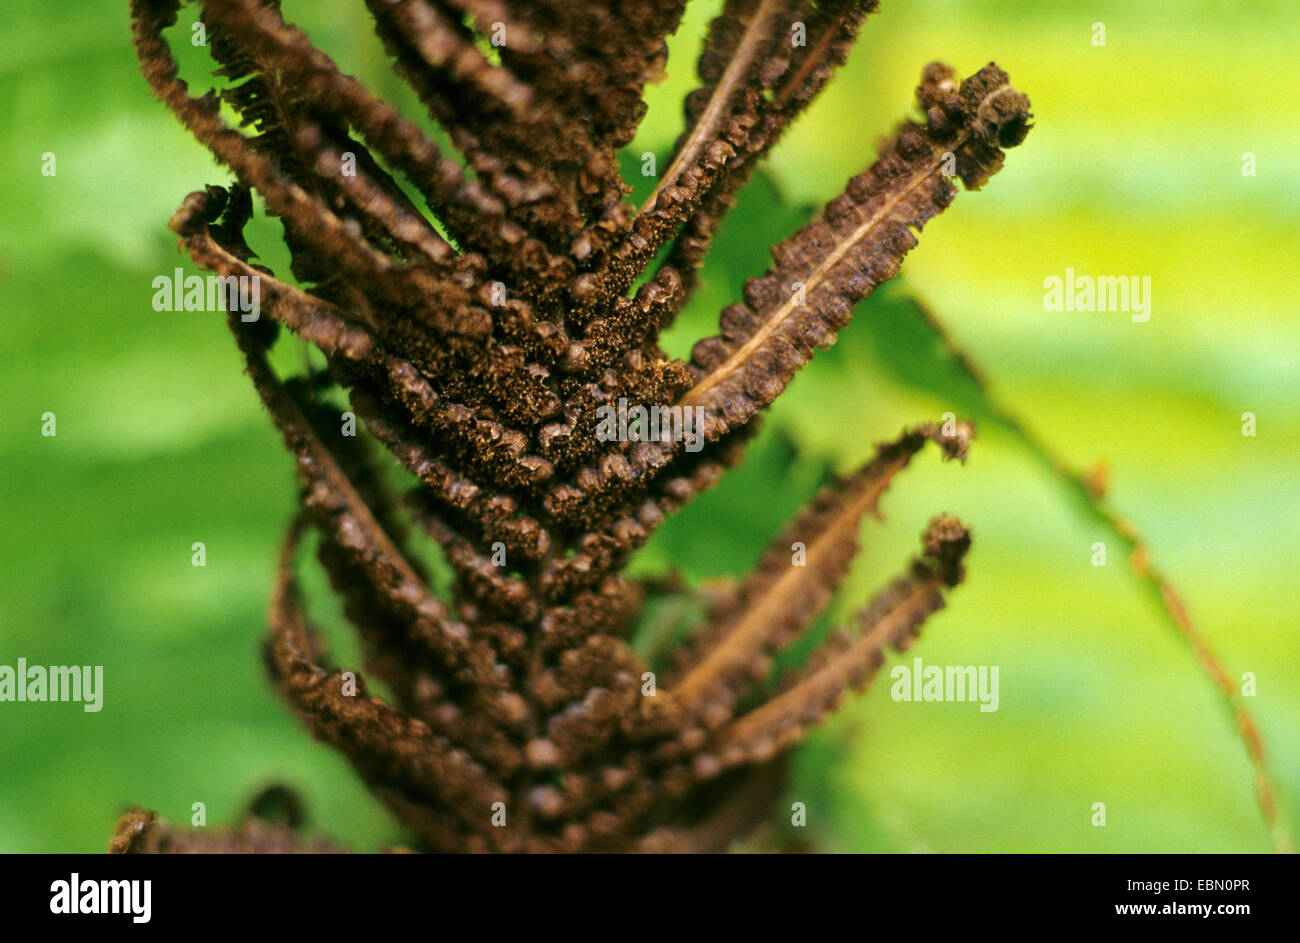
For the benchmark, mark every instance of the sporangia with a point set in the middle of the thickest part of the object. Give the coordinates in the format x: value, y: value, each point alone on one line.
x: 476, y: 315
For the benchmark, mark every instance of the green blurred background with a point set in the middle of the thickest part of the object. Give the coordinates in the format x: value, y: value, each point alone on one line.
x: 1134, y: 168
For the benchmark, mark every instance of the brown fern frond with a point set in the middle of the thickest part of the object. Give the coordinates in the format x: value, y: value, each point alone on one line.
x: 843, y: 664
x: 795, y: 577
x: 831, y: 29
x: 741, y: 39
x: 485, y: 335
x: 822, y: 271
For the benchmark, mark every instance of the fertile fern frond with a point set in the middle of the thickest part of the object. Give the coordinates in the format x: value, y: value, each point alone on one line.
x: 481, y: 319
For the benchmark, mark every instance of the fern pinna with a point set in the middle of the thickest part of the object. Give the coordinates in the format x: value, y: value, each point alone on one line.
x: 481, y: 315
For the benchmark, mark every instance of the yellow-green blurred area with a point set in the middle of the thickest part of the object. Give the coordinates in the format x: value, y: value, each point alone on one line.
x: 1134, y: 168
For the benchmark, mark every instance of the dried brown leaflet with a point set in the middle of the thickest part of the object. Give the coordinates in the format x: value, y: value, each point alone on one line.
x: 480, y: 360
